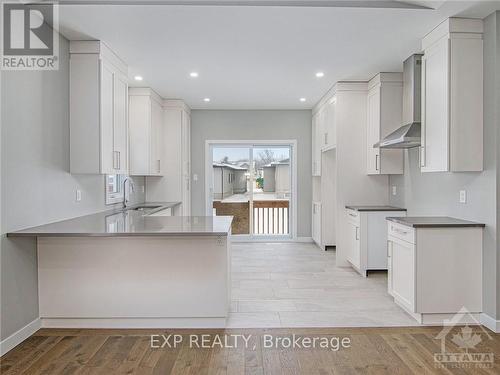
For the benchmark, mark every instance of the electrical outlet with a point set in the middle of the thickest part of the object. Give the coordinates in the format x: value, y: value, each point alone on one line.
x: 463, y: 196
x: 394, y: 190
x: 78, y: 195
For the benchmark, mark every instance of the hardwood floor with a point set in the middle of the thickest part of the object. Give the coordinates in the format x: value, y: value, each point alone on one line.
x: 407, y: 350
x: 299, y: 285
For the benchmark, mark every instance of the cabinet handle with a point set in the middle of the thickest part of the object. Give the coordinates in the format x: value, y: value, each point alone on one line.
x: 116, y: 160
x: 376, y: 162
x: 423, y: 111
x: 357, y: 233
x: 389, y: 246
x: 159, y: 169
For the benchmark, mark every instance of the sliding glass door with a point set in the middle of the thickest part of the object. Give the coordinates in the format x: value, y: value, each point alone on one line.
x: 252, y: 183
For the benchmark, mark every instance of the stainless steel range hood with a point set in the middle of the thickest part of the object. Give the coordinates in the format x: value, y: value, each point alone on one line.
x: 408, y: 135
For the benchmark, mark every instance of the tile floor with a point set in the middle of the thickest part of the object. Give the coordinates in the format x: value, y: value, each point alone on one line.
x: 298, y: 285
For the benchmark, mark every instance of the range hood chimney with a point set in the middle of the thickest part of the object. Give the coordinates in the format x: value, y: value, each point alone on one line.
x: 408, y: 135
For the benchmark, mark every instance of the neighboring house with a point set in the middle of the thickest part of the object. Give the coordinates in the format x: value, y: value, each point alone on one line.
x: 228, y: 180
x: 277, y: 177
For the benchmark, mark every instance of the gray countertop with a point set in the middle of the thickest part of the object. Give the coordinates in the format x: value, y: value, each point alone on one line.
x: 433, y: 222
x: 132, y: 222
x: 375, y: 208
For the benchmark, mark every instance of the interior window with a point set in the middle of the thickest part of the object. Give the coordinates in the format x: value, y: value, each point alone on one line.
x: 114, y: 188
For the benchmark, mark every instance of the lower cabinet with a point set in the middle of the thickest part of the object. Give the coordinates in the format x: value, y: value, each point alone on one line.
x: 368, y: 238
x: 402, y: 271
x: 316, y: 223
x: 435, y: 273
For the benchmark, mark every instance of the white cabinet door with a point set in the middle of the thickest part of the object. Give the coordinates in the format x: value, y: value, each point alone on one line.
x: 316, y: 223
x: 316, y: 147
x: 328, y: 136
x: 435, y: 108
x: 186, y: 163
x: 156, y: 138
x: 355, y: 245
x: 403, y: 272
x: 108, y: 158
x: 373, y: 132
x: 389, y: 266
x: 120, y: 125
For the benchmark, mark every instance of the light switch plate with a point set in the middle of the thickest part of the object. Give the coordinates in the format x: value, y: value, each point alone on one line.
x: 394, y: 190
x: 78, y: 195
x: 463, y: 196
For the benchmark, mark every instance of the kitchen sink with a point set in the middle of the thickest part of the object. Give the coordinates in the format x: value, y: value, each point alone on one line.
x: 144, y: 208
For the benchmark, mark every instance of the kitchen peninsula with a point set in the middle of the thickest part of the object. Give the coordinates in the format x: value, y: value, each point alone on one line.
x: 134, y: 268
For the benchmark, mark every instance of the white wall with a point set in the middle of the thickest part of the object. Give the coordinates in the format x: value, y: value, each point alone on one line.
x: 254, y: 125
x: 438, y: 193
x: 35, y: 184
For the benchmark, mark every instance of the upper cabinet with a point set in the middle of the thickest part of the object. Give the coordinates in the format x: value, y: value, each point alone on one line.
x: 384, y: 115
x: 323, y: 132
x: 146, y: 130
x: 452, y: 97
x: 98, y: 109
x: 328, y: 135
x: 316, y: 145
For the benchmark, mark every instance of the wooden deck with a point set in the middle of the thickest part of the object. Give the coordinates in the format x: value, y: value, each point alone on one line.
x: 373, y: 351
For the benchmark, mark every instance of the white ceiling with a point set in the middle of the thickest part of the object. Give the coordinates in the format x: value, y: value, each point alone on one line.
x: 257, y: 57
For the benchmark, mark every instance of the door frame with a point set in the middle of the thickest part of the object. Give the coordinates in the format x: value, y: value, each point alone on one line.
x: 292, y: 143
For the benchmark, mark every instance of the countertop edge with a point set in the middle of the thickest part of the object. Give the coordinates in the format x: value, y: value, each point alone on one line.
x: 391, y: 209
x: 143, y: 234
x: 399, y: 220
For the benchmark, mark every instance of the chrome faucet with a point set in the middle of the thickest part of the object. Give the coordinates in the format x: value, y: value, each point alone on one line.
x: 125, y: 192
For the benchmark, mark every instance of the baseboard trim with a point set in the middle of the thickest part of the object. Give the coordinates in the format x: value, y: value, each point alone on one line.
x: 134, y: 323
x: 490, y: 323
x: 18, y: 337
x: 304, y: 239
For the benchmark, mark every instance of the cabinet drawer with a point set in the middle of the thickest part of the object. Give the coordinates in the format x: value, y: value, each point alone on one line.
x: 352, y: 216
x: 401, y: 231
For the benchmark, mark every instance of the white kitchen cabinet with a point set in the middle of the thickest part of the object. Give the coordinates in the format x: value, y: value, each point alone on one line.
x: 435, y: 268
x: 316, y: 145
x: 367, y: 236
x: 98, y: 110
x: 176, y: 145
x: 316, y: 223
x: 328, y: 136
x: 384, y: 115
x: 452, y: 97
x: 146, y: 129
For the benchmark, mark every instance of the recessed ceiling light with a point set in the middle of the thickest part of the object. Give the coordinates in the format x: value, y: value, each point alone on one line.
x: 193, y: 74
x: 302, y: 99
x: 206, y: 100
x: 320, y: 74
x: 138, y: 78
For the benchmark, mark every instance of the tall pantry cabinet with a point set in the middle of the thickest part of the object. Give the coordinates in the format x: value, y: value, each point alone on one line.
x: 176, y: 141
